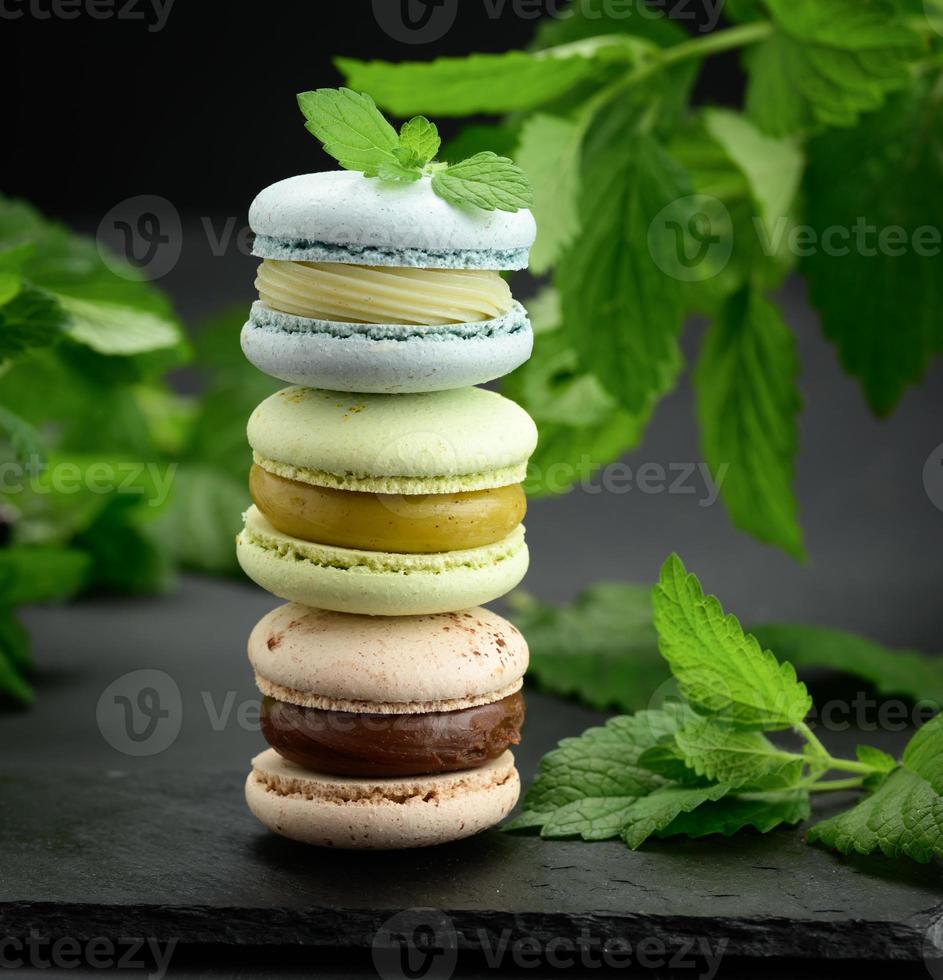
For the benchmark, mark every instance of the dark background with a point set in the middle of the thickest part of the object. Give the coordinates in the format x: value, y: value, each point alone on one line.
x: 203, y: 113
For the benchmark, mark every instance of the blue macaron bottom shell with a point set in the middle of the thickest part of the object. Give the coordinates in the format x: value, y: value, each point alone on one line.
x: 385, y: 358
x: 295, y: 250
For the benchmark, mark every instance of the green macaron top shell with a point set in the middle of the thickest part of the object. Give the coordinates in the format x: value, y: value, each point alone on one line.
x: 435, y: 442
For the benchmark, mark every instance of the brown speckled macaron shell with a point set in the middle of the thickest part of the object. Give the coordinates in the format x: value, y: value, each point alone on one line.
x: 387, y: 665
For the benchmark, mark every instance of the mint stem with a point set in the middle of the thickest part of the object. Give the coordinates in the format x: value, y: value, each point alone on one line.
x: 834, y: 785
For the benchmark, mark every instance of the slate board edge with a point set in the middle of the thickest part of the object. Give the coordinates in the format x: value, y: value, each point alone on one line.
x: 755, y: 938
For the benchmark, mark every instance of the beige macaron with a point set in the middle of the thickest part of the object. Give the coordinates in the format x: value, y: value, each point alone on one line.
x: 365, y: 814
x: 398, y: 665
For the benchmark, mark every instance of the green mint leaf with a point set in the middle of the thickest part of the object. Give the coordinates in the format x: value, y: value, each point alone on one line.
x: 12, y: 261
x: 722, y: 754
x: 654, y: 813
x: 421, y: 137
x: 484, y: 181
x: 127, y: 557
x: 30, y: 575
x: 827, y: 63
x: 904, y: 816
x: 773, y: 167
x: 202, y: 519
x: 762, y: 812
x: 924, y: 753
x: 667, y: 760
x: 748, y: 404
x: 351, y: 128
x: 881, y: 761
x: 31, y: 319
x: 15, y: 657
x: 860, y: 285
x: 609, y: 275
x: 117, y: 330
x: 893, y: 673
x: 486, y: 83
x: 550, y: 153
x: 602, y: 648
x: 26, y: 442
x: 585, y: 785
x: 722, y: 671
x: 587, y: 19
x: 502, y: 140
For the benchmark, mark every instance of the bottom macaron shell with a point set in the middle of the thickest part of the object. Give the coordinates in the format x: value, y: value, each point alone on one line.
x: 385, y: 814
x: 375, y: 359
x: 378, y: 583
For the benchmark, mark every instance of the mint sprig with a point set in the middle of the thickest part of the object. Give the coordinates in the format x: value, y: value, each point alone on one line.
x: 706, y: 767
x: 360, y: 138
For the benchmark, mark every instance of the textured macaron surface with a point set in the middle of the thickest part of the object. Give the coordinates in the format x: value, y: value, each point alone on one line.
x: 343, y: 216
x: 387, y: 665
x: 384, y: 814
x: 436, y: 442
x: 374, y: 583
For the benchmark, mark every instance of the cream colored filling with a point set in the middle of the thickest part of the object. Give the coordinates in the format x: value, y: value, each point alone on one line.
x: 373, y: 294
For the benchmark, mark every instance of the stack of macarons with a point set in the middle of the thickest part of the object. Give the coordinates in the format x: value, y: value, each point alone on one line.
x: 387, y: 509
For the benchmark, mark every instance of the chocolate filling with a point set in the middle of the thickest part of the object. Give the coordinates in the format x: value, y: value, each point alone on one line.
x: 344, y: 743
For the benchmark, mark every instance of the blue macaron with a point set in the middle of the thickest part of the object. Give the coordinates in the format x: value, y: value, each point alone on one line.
x: 370, y: 287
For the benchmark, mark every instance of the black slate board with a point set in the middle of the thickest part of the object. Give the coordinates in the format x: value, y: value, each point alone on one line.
x: 94, y: 842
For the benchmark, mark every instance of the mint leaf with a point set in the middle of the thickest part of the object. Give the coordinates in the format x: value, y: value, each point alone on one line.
x: 653, y: 814
x: 550, y: 153
x: 722, y: 671
x: 42, y: 574
x: 11, y: 271
x: 32, y: 318
x: 585, y: 785
x: 879, y: 301
x: 117, y: 330
x: 773, y: 167
x: 25, y: 441
x: 827, y: 63
x: 14, y: 640
x: 352, y: 130
x: 892, y: 672
x: 420, y: 137
x: 609, y: 276
x: 486, y: 83
x: 602, y: 648
x: 760, y: 811
x: 202, y: 519
x: 484, y: 181
x: 719, y: 753
x: 904, y: 816
x: 587, y: 19
x: 747, y: 403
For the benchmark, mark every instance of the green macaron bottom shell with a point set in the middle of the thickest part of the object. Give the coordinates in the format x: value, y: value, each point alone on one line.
x: 303, y: 250
x: 378, y: 583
